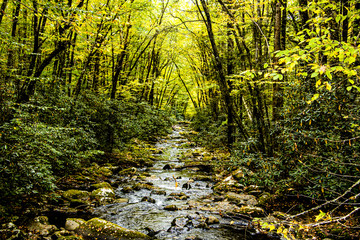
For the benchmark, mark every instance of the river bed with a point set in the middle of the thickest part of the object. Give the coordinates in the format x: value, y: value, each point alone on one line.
x: 144, y: 210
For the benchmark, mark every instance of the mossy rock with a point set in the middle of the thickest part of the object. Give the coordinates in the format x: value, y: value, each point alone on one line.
x: 105, y: 171
x: 101, y: 185
x: 171, y: 208
x: 71, y: 237
x: 41, y: 226
x: 97, y: 228
x: 203, y: 178
x: 241, y: 199
x: 128, y: 172
x: 103, y: 195
x: 158, y: 192
x: 252, y: 211
x: 127, y: 189
x: 140, y: 186
x: 76, y: 196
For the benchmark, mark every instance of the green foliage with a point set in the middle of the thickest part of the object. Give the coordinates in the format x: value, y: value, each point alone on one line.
x: 32, y: 150
x: 116, y: 122
x: 48, y: 138
x: 212, y: 131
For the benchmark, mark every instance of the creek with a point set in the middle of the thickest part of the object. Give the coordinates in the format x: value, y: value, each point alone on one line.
x: 189, y: 200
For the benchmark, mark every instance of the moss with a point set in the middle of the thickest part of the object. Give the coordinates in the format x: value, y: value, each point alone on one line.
x: 140, y: 186
x: 70, y: 238
x: 76, y: 194
x: 252, y: 211
x: 103, y: 192
x: 97, y: 228
x: 101, y: 185
x: 105, y: 171
x: 128, y: 171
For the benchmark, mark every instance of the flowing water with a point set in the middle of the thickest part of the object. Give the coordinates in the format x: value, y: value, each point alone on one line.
x: 184, y: 223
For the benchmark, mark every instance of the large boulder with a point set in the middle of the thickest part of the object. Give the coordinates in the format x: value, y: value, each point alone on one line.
x: 97, y: 228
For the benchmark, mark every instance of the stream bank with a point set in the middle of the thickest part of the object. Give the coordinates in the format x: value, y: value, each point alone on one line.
x: 174, y: 195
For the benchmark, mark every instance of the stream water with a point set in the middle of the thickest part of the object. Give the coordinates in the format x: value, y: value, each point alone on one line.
x: 184, y: 223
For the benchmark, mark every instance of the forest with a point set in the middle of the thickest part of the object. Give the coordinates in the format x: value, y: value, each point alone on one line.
x: 272, y: 86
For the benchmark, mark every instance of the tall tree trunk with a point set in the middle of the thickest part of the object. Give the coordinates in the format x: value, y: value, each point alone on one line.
x: 220, y: 71
x: 120, y: 59
x: 10, y: 60
x: 277, y: 88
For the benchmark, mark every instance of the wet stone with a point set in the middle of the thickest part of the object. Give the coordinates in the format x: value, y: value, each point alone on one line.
x: 158, y: 192
x: 148, y: 199
x: 211, y: 220
x: 171, y: 208
x: 127, y: 189
x: 178, y: 196
x: 168, y: 167
x: 186, y: 186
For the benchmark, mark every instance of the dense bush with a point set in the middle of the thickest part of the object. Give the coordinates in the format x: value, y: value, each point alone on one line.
x: 316, y: 148
x: 47, y: 138
x: 212, y: 130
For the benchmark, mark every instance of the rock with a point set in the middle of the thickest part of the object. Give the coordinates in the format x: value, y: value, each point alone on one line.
x: 140, y: 186
x: 152, y: 232
x: 167, y: 167
x: 252, y: 211
x: 202, y: 225
x: 65, y: 235
x: 148, y: 199
x: 187, y: 186
x: 171, y: 208
x: 211, y: 220
x: 97, y: 228
x: 241, y: 199
x: 105, y: 171
x: 158, y: 192
x: 10, y: 231
x: 77, y: 197
x: 127, y: 189
x: 103, y: 195
x: 203, y: 178
x: 238, y: 174
x: 193, y: 238
x: 227, y: 184
x: 121, y: 200
x: 128, y: 171
x: 179, y: 223
x: 178, y: 196
x: 101, y: 185
x: 40, y: 225
x: 72, y: 224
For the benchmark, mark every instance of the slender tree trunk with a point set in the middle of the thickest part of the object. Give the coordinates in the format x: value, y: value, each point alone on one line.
x: 2, y: 9
x: 221, y: 75
x: 277, y: 88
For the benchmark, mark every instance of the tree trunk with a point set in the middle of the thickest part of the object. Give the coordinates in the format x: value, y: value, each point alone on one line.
x: 277, y: 88
x: 221, y: 75
x: 2, y: 9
